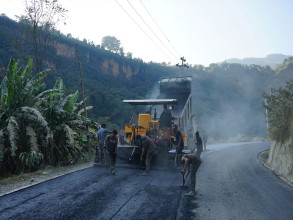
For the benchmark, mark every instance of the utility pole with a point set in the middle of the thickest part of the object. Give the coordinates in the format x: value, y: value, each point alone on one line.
x: 182, y: 65
x: 82, y: 92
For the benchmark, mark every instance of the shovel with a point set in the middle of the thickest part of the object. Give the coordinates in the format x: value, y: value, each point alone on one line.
x: 134, y: 148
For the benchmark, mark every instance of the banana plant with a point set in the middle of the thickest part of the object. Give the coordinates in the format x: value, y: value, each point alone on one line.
x: 23, y: 129
x: 38, y: 125
x: 65, y: 120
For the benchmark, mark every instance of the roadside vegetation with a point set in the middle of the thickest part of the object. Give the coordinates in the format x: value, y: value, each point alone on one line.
x: 279, y: 106
x: 39, y: 126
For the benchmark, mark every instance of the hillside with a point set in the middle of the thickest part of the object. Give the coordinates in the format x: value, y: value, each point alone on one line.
x: 227, y: 97
x: 108, y: 77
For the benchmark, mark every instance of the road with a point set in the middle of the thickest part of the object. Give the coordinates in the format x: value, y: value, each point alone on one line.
x: 231, y: 184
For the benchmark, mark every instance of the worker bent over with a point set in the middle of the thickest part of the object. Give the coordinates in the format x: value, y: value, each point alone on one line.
x: 194, y: 161
x: 149, y: 149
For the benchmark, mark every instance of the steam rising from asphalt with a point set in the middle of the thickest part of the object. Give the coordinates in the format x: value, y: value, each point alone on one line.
x: 230, y: 116
x: 154, y: 94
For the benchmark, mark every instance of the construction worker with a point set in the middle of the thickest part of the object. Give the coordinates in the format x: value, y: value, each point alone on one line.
x: 198, y: 144
x: 165, y: 120
x: 179, y: 143
x: 194, y: 161
x: 111, y: 143
x: 204, y: 140
x: 149, y: 149
x: 101, y: 136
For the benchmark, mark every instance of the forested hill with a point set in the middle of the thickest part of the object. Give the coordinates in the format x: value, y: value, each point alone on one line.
x: 227, y: 98
x: 108, y: 77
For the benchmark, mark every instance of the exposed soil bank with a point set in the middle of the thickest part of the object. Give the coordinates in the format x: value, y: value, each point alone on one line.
x: 264, y: 159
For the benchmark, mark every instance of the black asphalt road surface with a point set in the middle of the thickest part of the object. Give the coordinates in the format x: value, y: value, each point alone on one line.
x: 231, y: 184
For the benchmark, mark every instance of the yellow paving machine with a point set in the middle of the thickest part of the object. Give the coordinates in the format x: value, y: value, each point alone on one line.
x: 176, y: 94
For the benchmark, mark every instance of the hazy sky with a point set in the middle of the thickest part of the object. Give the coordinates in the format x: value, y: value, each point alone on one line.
x: 203, y: 31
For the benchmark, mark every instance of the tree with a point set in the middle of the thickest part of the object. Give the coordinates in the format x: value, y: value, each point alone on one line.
x: 121, y: 52
x: 42, y: 17
x: 129, y: 55
x: 111, y: 43
x: 279, y: 105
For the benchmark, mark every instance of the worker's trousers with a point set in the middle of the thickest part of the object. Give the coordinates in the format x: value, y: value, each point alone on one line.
x: 101, y: 152
x: 111, y: 157
x: 148, y: 160
x: 194, y: 167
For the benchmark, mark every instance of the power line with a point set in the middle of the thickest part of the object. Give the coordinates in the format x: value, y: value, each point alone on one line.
x: 141, y: 29
x: 159, y: 28
x: 151, y: 29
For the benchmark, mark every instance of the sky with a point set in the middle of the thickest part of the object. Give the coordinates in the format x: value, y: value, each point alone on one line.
x: 201, y: 31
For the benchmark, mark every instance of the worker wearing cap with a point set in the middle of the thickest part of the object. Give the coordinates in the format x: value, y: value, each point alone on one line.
x: 193, y: 160
x: 149, y: 149
x: 111, y: 143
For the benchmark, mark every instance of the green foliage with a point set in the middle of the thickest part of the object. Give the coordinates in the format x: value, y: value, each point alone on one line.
x: 111, y: 43
x: 40, y: 22
x: 31, y: 160
x: 20, y: 122
x: 105, y: 91
x: 37, y: 125
x: 279, y: 105
x: 63, y: 114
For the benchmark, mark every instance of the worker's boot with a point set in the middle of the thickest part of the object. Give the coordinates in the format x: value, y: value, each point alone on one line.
x: 112, y: 170
x: 145, y: 173
x: 191, y: 193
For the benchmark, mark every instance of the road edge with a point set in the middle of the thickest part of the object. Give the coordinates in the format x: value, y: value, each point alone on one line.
x: 263, y: 157
x: 33, y: 180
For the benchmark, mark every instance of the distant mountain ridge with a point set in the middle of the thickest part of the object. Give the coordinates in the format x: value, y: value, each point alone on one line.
x: 271, y: 60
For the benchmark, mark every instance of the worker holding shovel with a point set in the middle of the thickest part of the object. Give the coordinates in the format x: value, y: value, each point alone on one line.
x: 194, y: 161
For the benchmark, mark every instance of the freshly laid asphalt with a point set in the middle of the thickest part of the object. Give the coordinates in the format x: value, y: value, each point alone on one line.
x: 231, y: 184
